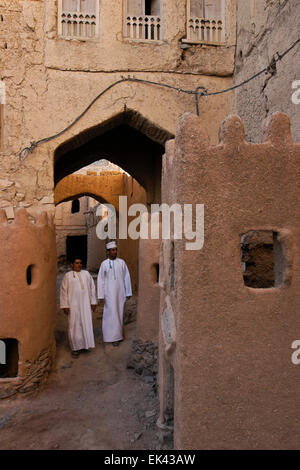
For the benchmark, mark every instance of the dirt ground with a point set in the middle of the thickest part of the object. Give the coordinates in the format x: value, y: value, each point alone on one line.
x: 93, y: 402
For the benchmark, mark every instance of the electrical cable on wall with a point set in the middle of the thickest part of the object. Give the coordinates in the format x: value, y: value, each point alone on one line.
x: 199, y: 92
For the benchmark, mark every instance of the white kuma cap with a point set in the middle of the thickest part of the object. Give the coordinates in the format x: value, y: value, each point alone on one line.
x: 111, y: 245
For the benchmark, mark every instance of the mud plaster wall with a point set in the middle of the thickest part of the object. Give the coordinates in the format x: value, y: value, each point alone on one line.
x: 106, y: 187
x: 148, y: 301
x: 27, y: 312
x: 129, y: 249
x: 168, y: 299
x: 49, y: 81
x: 235, y: 384
x: 95, y: 247
x: 263, y: 28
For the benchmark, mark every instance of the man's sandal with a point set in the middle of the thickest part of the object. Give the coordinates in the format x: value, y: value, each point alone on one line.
x: 75, y: 354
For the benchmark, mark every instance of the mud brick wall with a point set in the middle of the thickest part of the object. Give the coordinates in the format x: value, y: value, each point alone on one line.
x: 235, y: 386
x: 27, y: 301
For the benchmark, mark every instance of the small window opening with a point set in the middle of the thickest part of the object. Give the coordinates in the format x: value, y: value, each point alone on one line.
x: 263, y: 261
x: 9, y: 358
x: 32, y: 275
x: 155, y: 270
x: 148, y: 7
x: 29, y: 275
x: 75, y: 206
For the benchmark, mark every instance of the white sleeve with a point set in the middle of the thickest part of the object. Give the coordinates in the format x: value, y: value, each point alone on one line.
x: 92, y: 290
x: 127, y: 281
x: 100, y: 281
x: 64, y: 291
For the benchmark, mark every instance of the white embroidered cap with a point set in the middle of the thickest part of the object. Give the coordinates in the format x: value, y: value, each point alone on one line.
x: 111, y: 245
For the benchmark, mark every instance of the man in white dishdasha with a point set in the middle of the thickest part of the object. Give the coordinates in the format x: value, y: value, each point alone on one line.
x: 114, y: 286
x: 78, y: 299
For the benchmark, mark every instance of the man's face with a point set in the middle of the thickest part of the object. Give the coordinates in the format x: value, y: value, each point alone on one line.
x: 77, y: 265
x: 112, y: 253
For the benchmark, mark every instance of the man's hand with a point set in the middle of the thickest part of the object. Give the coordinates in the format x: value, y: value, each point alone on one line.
x: 93, y: 307
x: 66, y: 311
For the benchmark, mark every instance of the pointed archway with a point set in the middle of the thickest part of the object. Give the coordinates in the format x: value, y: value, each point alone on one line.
x: 128, y: 140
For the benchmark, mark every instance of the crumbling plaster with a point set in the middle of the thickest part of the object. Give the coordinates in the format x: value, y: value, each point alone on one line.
x: 265, y: 27
x: 50, y: 81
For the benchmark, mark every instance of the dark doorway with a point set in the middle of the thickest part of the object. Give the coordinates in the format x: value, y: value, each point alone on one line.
x: 77, y: 246
x: 75, y: 206
x: 9, y: 358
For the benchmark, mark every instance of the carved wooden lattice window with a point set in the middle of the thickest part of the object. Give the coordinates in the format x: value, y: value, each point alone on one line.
x: 205, y: 21
x: 142, y: 20
x: 78, y: 19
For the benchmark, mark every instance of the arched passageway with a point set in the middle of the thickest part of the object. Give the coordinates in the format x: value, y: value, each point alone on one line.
x: 128, y: 140
x: 105, y: 188
x: 136, y: 145
x: 75, y: 231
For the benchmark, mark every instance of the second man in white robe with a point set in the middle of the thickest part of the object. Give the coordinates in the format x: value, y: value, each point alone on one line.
x: 114, y: 286
x: 78, y: 299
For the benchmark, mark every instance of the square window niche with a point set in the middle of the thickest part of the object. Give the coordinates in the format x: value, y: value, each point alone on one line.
x: 9, y: 358
x: 264, y: 259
